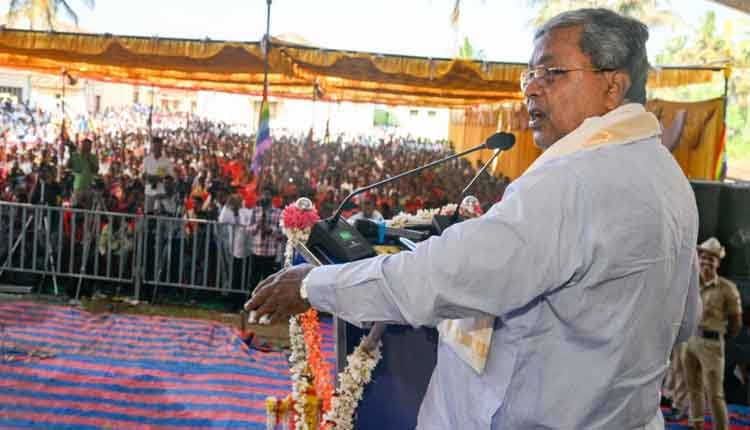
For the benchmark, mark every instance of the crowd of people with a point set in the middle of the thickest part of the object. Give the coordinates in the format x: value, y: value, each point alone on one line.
x: 112, y: 150
x: 136, y: 161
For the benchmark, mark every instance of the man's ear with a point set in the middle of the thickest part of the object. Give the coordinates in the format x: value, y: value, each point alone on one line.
x: 619, y: 84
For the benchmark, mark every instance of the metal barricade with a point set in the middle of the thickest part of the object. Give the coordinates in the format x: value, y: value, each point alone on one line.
x: 126, y: 249
x: 77, y: 243
x: 194, y: 254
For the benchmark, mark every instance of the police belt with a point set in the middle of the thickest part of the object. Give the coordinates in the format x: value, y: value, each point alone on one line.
x: 709, y: 334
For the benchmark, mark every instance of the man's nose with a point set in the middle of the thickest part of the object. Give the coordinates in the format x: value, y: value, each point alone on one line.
x: 533, y: 88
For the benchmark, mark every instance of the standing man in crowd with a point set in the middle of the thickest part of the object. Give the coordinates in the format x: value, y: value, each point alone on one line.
x: 579, y: 282
x: 367, y: 210
x: 156, y: 168
x: 236, y: 219
x: 265, y: 237
x: 703, y: 359
x: 84, y: 166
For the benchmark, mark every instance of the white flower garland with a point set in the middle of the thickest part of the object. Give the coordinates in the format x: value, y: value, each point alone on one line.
x: 300, y: 377
x: 352, y: 381
x: 293, y: 237
x: 423, y: 216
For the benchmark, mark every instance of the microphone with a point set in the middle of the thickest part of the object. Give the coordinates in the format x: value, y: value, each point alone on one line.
x: 344, y: 243
x: 379, y: 231
x: 502, y: 142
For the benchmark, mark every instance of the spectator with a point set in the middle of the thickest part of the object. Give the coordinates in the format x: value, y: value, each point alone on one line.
x: 367, y: 211
x: 84, y: 165
x: 236, y: 219
x: 156, y: 168
x: 265, y: 237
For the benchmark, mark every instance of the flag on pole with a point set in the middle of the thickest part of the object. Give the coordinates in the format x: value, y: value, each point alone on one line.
x: 263, y: 140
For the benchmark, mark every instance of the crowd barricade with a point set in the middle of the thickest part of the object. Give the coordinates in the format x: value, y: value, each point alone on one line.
x: 131, y: 251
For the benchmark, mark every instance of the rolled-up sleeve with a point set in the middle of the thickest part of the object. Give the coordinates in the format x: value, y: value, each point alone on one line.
x: 529, y: 244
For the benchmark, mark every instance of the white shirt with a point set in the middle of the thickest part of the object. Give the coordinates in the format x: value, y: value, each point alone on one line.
x: 236, y: 228
x: 159, y: 167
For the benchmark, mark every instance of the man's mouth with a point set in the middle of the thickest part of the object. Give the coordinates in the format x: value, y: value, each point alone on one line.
x: 536, y: 116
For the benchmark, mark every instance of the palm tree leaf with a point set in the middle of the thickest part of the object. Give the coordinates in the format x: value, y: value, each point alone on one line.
x: 456, y: 14
x: 49, y: 14
x: 16, y: 9
x: 66, y: 9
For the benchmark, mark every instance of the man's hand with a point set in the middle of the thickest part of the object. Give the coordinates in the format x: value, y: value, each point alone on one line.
x: 278, y: 296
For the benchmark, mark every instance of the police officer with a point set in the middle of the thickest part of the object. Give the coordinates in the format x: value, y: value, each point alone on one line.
x: 703, y: 359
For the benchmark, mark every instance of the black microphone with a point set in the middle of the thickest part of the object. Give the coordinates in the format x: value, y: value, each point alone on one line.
x: 343, y: 243
x: 379, y: 231
x: 502, y: 142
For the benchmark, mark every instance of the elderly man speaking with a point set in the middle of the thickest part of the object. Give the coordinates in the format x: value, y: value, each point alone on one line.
x: 559, y: 307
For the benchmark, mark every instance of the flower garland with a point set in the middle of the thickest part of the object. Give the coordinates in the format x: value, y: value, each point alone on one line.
x: 470, y: 208
x: 423, y: 216
x: 319, y: 367
x: 312, y: 387
x: 352, y: 381
x: 296, y: 223
x: 277, y: 411
x: 300, y: 373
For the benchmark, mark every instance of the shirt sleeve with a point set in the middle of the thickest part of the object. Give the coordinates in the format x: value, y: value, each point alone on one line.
x: 733, y: 301
x: 253, y: 222
x: 276, y: 224
x: 147, y: 166
x: 75, y: 164
x: 531, y: 243
x: 170, y: 168
x: 225, y: 216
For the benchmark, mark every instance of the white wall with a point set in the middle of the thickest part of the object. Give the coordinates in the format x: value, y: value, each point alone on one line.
x: 230, y: 108
x: 423, y: 122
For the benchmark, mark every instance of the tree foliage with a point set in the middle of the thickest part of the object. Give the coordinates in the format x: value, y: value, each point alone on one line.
x: 43, y: 14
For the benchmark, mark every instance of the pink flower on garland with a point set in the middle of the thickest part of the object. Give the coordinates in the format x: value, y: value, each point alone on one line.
x: 293, y: 217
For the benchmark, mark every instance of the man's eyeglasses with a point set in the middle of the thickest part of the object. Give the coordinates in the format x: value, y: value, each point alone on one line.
x: 548, y: 74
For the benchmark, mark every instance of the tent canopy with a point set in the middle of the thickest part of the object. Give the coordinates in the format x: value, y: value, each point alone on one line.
x: 740, y: 5
x: 296, y: 71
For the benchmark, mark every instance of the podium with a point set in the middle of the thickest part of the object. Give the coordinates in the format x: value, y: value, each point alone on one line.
x: 391, y: 400
x: 399, y: 381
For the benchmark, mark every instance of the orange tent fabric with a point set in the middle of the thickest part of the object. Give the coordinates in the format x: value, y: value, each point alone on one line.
x: 294, y: 69
x: 696, y: 150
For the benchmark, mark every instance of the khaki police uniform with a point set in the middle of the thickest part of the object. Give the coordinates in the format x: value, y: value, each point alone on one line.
x: 675, y: 386
x: 703, y: 358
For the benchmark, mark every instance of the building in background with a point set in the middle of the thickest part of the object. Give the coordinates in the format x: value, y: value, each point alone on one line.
x: 89, y: 97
